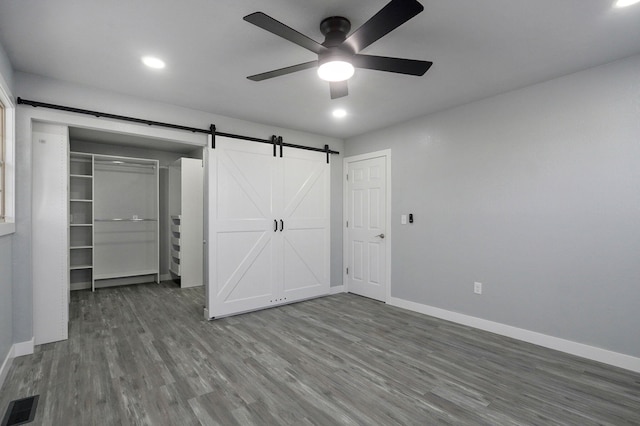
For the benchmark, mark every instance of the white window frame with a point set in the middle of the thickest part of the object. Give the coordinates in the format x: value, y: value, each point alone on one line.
x: 7, y: 225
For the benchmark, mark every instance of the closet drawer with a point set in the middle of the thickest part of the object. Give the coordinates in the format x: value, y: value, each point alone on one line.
x: 175, y: 228
x: 175, y: 241
x: 175, y: 267
x: 175, y: 253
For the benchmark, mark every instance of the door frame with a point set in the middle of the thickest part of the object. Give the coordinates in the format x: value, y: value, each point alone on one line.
x: 24, y: 127
x: 386, y: 153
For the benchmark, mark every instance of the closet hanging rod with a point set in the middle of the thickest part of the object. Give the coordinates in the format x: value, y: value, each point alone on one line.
x: 120, y: 163
x: 211, y: 131
x: 119, y: 219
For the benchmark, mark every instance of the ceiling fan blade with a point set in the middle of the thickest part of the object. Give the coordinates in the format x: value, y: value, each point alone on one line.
x: 390, y: 17
x: 266, y: 22
x: 283, y: 71
x: 338, y: 89
x: 397, y: 65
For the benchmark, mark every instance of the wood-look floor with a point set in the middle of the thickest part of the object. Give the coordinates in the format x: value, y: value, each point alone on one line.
x: 144, y: 355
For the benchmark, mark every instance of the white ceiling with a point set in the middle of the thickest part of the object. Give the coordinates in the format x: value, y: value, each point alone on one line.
x: 479, y: 49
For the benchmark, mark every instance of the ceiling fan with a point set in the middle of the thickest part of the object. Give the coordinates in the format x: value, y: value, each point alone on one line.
x: 338, y: 55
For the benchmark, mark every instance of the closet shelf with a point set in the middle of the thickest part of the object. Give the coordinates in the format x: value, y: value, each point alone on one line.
x: 126, y: 274
x: 81, y: 176
x: 76, y: 267
x: 81, y: 200
x: 80, y: 224
x: 80, y: 247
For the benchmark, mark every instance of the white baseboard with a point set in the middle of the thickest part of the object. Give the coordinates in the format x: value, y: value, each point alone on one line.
x: 16, y: 350
x: 337, y: 289
x: 23, y: 348
x: 579, y: 349
x: 6, y: 365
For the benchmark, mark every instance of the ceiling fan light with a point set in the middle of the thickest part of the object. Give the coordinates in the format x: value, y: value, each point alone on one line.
x: 336, y: 71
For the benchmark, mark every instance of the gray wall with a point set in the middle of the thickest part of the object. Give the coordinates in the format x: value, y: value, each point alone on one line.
x: 46, y: 90
x: 6, y: 71
x: 6, y: 252
x: 536, y: 194
x: 6, y: 309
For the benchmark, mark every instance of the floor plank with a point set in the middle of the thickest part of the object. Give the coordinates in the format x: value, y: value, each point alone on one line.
x: 144, y: 355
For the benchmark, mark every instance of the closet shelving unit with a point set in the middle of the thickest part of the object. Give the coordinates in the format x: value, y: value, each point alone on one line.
x: 186, y: 195
x: 81, y: 221
x: 113, y: 220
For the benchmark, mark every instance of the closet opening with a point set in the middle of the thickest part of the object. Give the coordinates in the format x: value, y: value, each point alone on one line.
x: 135, y: 211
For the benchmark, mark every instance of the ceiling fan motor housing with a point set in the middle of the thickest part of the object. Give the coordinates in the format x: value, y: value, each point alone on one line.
x: 335, y: 30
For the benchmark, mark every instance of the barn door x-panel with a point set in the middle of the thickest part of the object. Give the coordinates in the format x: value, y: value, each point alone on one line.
x: 306, y: 221
x: 242, y: 237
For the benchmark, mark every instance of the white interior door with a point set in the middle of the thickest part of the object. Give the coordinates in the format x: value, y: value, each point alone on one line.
x: 305, y: 213
x: 367, y: 228
x: 241, y: 245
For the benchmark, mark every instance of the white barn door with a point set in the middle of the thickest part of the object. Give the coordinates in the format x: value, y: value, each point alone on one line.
x: 268, y: 226
x: 241, y: 260
x: 305, y: 213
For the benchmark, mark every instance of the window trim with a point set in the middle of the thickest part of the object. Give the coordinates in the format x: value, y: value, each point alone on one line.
x: 7, y: 226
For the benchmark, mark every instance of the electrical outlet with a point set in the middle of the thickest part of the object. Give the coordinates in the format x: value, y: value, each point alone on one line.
x: 477, y: 288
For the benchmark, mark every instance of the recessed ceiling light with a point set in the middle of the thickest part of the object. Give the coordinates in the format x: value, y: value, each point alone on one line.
x: 152, y: 62
x: 339, y: 113
x: 625, y: 3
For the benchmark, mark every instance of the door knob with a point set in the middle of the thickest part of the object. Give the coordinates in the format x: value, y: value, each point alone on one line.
x: 381, y: 236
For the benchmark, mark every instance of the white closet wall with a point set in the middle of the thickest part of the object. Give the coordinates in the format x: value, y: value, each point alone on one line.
x: 186, y: 216
x: 126, y: 218
x: 268, y: 236
x: 49, y: 235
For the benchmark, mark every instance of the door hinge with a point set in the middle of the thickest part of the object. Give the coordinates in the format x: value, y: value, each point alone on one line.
x: 347, y: 270
x: 347, y: 224
x: 347, y: 176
